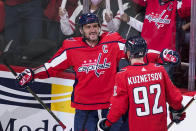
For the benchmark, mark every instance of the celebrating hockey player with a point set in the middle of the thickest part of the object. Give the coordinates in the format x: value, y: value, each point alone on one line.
x: 94, y: 59
x: 143, y: 89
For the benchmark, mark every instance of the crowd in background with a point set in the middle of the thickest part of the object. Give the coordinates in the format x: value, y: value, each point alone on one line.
x: 37, y: 28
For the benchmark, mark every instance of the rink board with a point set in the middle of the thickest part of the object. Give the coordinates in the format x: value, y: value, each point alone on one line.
x: 19, y: 111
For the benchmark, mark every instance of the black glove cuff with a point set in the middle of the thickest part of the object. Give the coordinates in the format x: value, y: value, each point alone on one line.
x: 176, y: 111
x: 103, y: 126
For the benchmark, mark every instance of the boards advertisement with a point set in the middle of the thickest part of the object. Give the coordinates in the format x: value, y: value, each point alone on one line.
x: 19, y: 111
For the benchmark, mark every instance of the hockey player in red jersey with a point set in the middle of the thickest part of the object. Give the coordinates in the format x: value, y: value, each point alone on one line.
x: 160, y: 20
x: 159, y: 26
x: 143, y: 89
x: 94, y: 59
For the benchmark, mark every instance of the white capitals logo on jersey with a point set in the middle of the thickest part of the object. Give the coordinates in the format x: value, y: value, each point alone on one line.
x: 159, y: 19
x: 96, y: 65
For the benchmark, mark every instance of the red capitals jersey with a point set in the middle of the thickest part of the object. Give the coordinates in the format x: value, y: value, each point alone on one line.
x: 159, y: 27
x: 95, y: 69
x: 144, y: 90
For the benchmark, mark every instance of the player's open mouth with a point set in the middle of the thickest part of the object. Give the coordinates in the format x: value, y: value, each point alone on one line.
x: 93, y: 34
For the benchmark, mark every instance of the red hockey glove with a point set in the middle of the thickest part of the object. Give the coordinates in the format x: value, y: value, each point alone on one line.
x: 25, y: 77
x: 177, y: 115
x: 102, y: 125
x: 170, y: 57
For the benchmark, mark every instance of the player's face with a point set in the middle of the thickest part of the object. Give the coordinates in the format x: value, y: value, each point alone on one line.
x: 91, y: 31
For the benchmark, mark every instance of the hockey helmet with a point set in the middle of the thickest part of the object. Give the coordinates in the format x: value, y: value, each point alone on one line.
x: 137, y: 47
x: 88, y: 18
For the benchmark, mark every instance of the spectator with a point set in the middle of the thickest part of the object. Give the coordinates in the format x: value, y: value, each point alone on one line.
x: 23, y: 23
x: 130, y: 29
x: 143, y: 89
x: 68, y: 26
x: 53, y: 30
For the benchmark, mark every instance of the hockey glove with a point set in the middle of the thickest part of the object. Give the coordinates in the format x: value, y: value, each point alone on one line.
x: 177, y: 115
x: 101, y: 125
x: 25, y: 77
x: 170, y: 57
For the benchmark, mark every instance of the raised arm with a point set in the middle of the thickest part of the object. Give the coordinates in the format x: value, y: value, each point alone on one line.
x: 68, y: 23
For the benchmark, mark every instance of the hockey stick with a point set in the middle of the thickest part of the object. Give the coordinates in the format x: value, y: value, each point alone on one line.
x: 108, y: 10
x: 63, y: 4
x: 29, y: 89
x: 187, y: 105
x: 120, y: 6
x: 86, y: 6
